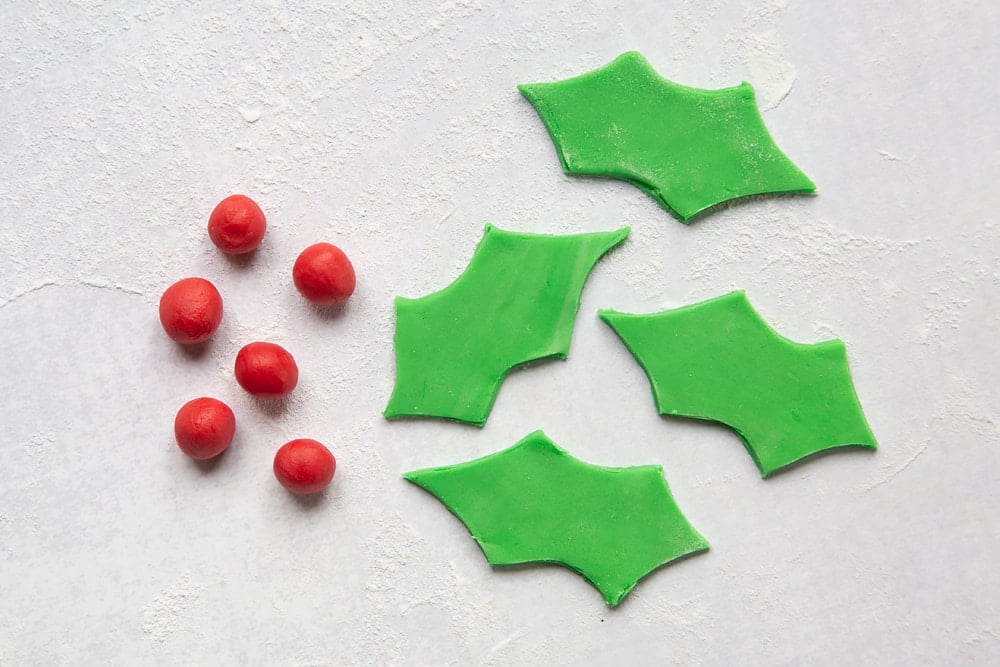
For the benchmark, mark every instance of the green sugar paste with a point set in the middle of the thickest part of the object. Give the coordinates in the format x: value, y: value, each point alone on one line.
x: 719, y: 360
x: 688, y: 148
x: 534, y: 502
x: 516, y: 302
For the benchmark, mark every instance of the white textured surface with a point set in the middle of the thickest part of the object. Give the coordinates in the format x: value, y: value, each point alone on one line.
x: 395, y: 130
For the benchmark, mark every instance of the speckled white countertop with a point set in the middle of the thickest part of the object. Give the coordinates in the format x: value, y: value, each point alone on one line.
x: 394, y: 129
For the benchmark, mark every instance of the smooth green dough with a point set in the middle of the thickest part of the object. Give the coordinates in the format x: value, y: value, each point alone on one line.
x: 536, y: 503
x: 719, y: 360
x: 688, y: 148
x: 516, y: 302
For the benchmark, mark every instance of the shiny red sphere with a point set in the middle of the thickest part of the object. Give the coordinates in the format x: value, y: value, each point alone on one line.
x: 324, y: 275
x: 204, y: 427
x: 304, y: 466
x: 191, y: 310
x: 237, y: 225
x: 266, y: 370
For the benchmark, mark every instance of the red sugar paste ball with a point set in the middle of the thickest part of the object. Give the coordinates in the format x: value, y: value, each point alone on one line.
x: 190, y: 310
x: 304, y: 466
x: 237, y: 225
x: 324, y: 275
x: 204, y: 427
x: 266, y: 370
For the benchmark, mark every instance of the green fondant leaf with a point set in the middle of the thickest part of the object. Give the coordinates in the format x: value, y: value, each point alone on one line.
x: 688, y: 148
x: 516, y: 302
x: 719, y: 360
x: 536, y: 503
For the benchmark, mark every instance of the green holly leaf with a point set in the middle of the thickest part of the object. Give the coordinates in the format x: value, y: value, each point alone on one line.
x: 719, y: 360
x: 688, y: 148
x: 516, y: 302
x: 536, y: 503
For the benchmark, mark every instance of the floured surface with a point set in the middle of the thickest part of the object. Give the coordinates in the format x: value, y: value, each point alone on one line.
x: 396, y: 132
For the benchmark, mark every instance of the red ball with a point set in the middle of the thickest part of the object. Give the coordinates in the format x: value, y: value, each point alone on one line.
x: 324, y: 275
x: 237, y: 225
x: 204, y: 428
x: 304, y: 466
x: 266, y: 370
x: 190, y: 310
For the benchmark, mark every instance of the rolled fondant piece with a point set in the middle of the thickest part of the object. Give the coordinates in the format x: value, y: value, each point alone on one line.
x: 719, y: 360
x: 515, y: 303
x: 688, y: 148
x: 534, y: 502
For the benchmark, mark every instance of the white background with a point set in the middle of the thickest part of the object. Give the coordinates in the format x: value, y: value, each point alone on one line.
x: 395, y: 131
